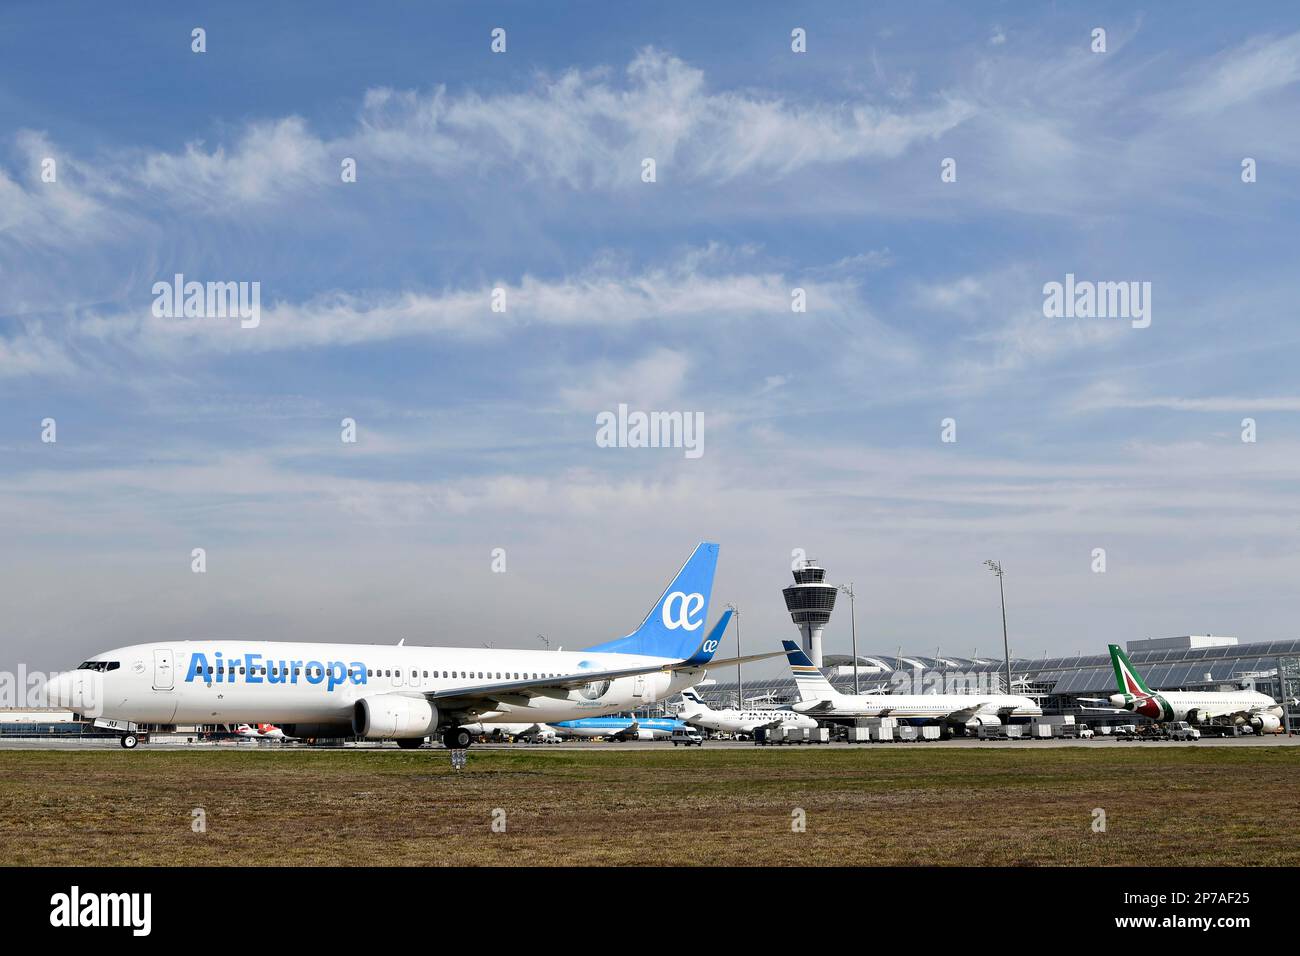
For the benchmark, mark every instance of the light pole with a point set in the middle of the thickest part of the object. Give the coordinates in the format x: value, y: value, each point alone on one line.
x: 740, y: 687
x: 542, y: 638
x: 853, y: 625
x: 996, y: 568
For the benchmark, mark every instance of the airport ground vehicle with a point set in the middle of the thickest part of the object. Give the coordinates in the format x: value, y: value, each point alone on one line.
x: 1182, y: 730
x: 1086, y: 733
x: 687, y: 736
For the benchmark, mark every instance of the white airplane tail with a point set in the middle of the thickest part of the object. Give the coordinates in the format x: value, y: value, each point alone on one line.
x: 692, y: 703
x: 808, y: 680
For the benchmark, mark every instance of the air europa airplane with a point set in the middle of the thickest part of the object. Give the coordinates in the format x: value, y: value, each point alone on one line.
x: 398, y: 692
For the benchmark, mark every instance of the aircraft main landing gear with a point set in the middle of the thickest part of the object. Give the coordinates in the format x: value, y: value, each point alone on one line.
x: 456, y: 738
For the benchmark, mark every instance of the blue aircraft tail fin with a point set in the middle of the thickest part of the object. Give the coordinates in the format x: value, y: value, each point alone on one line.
x: 709, y: 646
x: 673, y: 628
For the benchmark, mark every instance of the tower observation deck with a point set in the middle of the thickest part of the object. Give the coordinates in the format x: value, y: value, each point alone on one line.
x: 810, y: 601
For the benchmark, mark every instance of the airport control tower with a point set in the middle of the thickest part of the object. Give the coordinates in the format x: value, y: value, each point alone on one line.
x: 810, y: 601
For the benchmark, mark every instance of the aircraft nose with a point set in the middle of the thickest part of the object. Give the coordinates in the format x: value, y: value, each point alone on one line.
x: 74, y: 690
x: 58, y: 691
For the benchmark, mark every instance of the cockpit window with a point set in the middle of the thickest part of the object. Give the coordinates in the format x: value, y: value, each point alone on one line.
x: 100, y: 666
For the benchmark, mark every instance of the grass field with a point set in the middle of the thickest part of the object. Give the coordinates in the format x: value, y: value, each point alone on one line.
x: 864, y: 806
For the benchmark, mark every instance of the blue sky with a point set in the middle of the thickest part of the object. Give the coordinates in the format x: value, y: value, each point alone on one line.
x: 521, y: 170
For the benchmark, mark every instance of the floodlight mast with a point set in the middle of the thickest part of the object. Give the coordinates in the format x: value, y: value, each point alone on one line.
x: 996, y: 568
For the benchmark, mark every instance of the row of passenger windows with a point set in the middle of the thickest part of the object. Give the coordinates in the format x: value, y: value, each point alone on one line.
x: 465, y: 675
x: 262, y: 671
x: 370, y: 672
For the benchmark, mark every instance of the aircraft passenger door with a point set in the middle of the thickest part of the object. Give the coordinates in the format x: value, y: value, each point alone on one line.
x: 163, y: 675
x: 638, y: 687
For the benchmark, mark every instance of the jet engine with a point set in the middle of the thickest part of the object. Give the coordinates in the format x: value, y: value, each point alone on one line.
x: 1265, y: 723
x: 390, y: 716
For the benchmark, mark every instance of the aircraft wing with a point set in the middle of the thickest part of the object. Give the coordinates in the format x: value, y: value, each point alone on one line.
x: 741, y: 660
x: 522, y: 690
x: 1211, y: 713
x: 548, y: 686
x: 966, y: 713
x: 819, y: 707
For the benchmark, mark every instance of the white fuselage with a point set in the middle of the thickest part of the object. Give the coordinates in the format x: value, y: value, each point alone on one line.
x: 511, y: 729
x: 1204, y: 705
x: 921, y: 706
x: 314, y: 683
x: 733, y: 721
x: 1215, y: 703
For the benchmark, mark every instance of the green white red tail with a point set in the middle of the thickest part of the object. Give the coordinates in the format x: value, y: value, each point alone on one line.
x: 1134, y: 694
x: 1129, y: 680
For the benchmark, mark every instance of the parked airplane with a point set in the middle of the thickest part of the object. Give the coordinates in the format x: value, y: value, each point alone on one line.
x: 1262, y: 712
x: 729, y: 720
x: 516, y: 730
x: 817, y: 697
x: 260, y: 732
x: 404, y: 693
x: 621, y: 728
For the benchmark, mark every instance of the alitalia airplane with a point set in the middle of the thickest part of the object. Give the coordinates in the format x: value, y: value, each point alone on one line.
x: 817, y: 697
x: 1262, y: 712
x: 699, y: 714
x: 404, y: 693
x: 260, y: 732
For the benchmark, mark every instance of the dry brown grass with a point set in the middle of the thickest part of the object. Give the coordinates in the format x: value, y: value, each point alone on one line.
x: 864, y: 806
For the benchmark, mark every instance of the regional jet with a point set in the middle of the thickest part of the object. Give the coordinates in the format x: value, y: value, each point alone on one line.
x: 620, y: 728
x: 699, y: 714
